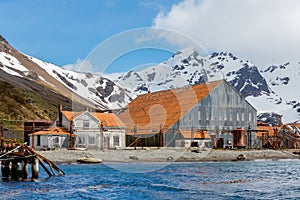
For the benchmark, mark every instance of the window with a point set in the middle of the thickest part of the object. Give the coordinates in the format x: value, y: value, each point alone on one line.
x: 243, y: 116
x: 86, y: 123
x: 116, y: 140
x: 199, y: 115
x: 81, y: 140
x: 250, y: 117
x: 207, y: 114
x: 91, y: 139
x: 56, y: 140
x: 225, y: 116
x: 237, y: 117
x: 38, y: 140
x: 105, y: 139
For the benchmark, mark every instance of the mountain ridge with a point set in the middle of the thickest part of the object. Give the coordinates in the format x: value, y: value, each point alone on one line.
x: 187, y: 67
x: 266, y: 89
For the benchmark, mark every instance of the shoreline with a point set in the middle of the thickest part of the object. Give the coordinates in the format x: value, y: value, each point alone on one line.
x: 169, y: 155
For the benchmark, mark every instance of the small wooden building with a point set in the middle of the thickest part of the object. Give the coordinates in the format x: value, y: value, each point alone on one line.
x: 34, y: 126
x: 161, y: 117
x: 51, y: 138
x: 268, y: 136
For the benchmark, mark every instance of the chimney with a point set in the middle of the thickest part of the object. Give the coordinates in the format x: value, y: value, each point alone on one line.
x: 59, y: 115
x: 280, y: 120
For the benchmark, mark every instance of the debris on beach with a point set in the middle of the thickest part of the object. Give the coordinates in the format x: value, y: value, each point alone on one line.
x: 133, y: 158
x: 240, y: 157
x: 88, y: 159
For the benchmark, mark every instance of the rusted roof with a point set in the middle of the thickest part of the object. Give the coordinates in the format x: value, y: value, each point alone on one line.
x: 108, y: 119
x: 39, y: 121
x: 196, y: 135
x: 70, y: 115
x: 53, y: 131
x: 160, y: 110
x: 267, y: 131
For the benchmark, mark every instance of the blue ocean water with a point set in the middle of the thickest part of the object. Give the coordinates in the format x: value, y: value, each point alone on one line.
x: 264, y: 179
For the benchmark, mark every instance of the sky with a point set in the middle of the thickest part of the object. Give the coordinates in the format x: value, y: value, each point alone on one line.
x: 62, y: 32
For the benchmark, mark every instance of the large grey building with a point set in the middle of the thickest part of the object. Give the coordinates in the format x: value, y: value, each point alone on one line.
x: 180, y: 117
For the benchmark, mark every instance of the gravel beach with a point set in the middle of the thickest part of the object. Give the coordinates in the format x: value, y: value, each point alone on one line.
x: 166, y: 154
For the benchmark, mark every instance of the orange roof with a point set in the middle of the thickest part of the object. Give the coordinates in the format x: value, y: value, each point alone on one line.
x: 70, y: 115
x: 108, y: 119
x: 160, y: 110
x: 53, y: 131
x: 195, y: 135
x: 267, y: 130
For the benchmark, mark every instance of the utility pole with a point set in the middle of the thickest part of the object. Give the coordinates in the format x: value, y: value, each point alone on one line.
x: 160, y: 137
x: 134, y: 135
x: 71, y: 133
x: 101, y: 136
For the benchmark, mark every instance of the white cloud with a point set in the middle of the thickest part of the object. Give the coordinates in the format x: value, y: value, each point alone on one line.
x: 80, y: 66
x: 263, y: 31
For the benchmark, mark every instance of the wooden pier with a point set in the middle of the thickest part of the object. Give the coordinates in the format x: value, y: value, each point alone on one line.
x: 16, y: 157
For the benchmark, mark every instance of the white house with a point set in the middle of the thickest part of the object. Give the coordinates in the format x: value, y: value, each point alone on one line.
x: 89, y: 130
x: 51, y: 138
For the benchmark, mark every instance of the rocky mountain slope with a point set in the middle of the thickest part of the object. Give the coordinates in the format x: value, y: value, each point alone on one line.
x: 55, y: 85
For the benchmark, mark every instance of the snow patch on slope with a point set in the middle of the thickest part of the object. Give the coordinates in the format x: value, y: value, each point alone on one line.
x: 11, y: 65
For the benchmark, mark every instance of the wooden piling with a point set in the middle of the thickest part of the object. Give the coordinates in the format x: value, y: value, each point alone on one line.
x: 35, y: 168
x: 23, y: 154
x: 15, y: 170
x: 5, y: 168
x: 24, y: 169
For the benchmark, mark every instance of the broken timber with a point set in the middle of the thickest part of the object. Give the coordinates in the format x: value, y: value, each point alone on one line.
x: 14, y: 154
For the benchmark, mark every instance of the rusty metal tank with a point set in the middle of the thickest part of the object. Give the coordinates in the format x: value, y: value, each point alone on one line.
x: 239, y: 138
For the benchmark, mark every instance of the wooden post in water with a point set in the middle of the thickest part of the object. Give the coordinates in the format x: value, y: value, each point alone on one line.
x: 35, y: 168
x: 14, y: 170
x: 24, y: 169
x: 5, y: 168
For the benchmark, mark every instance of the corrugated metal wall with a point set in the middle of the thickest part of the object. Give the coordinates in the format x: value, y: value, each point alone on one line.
x: 224, y: 109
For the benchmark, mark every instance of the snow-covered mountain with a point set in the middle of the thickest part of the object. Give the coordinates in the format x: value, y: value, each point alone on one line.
x: 82, y: 88
x: 99, y: 90
x: 272, y: 89
x: 269, y: 90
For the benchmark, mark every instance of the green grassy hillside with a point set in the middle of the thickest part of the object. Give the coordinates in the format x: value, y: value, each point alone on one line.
x: 18, y: 105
